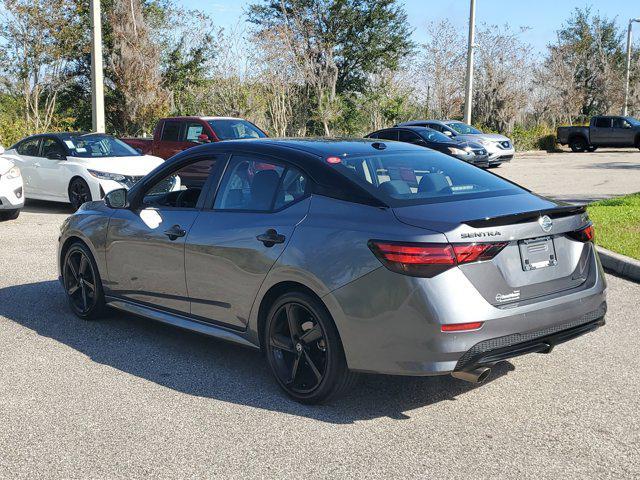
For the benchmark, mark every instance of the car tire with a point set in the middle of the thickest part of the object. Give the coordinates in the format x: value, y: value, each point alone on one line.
x: 79, y: 193
x: 10, y: 214
x: 578, y: 144
x: 304, y: 349
x: 82, y: 283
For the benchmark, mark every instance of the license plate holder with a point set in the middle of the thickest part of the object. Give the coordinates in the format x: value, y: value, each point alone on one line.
x: 537, y: 253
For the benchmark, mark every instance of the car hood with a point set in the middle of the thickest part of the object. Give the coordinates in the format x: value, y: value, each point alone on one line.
x: 447, y: 216
x: 133, y: 166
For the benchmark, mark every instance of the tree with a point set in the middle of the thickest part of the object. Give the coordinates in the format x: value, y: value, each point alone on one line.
x: 440, y: 68
x: 135, y: 62
x: 39, y: 38
x: 589, y: 56
x: 336, y: 44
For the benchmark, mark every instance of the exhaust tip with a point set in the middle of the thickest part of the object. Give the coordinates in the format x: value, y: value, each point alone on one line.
x: 477, y: 375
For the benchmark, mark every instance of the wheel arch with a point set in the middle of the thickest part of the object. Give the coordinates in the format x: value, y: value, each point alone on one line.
x: 576, y: 136
x: 273, y: 293
x: 76, y: 238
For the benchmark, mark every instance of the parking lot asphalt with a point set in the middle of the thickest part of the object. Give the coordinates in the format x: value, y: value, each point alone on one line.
x: 577, y: 177
x: 126, y: 397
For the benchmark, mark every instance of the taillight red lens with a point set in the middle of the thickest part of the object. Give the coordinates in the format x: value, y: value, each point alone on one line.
x: 586, y: 234
x: 477, y: 252
x: 461, y: 327
x: 430, y: 259
x: 416, y: 259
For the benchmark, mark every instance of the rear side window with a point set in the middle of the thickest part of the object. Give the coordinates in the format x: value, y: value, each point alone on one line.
x: 400, y: 179
x: 388, y: 135
x: 603, y: 122
x: 253, y: 185
x: 29, y: 147
x: 409, y: 137
x: 171, y: 131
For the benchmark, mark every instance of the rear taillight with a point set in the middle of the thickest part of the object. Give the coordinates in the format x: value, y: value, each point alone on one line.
x: 586, y: 234
x: 430, y: 259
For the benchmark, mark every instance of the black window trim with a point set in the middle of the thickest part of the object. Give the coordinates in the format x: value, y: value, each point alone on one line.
x: 266, y: 159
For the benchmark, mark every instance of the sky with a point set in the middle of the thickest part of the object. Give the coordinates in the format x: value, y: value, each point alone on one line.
x: 543, y: 17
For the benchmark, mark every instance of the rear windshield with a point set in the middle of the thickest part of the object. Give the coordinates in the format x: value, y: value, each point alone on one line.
x: 422, y: 177
x: 232, y: 129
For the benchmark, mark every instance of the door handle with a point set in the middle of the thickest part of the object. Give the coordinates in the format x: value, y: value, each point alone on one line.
x: 175, y: 232
x: 270, y: 238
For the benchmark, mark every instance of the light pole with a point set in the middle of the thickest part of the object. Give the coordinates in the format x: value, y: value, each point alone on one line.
x: 97, y: 82
x: 626, y: 83
x: 469, y: 77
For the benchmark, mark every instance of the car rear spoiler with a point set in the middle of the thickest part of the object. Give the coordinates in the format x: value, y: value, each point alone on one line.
x: 558, y: 212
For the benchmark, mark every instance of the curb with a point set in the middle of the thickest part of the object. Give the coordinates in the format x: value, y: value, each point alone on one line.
x: 620, y: 264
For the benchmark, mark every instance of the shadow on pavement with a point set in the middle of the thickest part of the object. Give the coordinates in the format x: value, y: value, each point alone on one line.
x: 201, y: 366
x: 615, y: 166
x: 40, y: 206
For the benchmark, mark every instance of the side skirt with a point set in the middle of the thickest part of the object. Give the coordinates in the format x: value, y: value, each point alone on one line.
x: 179, y: 321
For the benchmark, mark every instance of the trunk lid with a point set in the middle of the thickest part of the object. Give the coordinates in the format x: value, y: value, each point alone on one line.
x: 516, y: 274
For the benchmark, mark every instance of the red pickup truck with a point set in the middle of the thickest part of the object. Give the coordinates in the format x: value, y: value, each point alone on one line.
x: 175, y: 134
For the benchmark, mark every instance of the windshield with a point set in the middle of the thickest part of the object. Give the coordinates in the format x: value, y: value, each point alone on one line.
x: 633, y: 121
x: 463, y: 128
x: 435, y: 136
x: 400, y: 179
x: 99, y: 146
x: 232, y: 129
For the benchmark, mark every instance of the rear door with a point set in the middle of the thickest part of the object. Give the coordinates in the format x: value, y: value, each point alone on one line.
x: 52, y: 171
x: 145, y: 244
x: 600, y: 132
x: 171, y: 138
x: 28, y: 161
x: 232, y: 246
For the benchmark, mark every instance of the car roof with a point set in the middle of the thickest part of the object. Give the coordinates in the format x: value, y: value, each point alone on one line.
x: 205, y: 118
x: 321, y: 147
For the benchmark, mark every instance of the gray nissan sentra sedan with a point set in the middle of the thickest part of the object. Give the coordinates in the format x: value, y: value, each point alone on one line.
x: 340, y: 256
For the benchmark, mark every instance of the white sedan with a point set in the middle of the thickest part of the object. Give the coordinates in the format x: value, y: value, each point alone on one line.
x: 77, y: 168
x: 11, y: 193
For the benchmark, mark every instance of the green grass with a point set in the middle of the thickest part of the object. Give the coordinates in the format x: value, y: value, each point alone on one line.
x: 617, y: 224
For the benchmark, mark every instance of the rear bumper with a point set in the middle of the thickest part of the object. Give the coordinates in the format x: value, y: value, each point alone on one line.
x: 489, y: 352
x: 391, y: 324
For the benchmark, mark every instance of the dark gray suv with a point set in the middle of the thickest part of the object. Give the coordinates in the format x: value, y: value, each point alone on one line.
x: 336, y: 257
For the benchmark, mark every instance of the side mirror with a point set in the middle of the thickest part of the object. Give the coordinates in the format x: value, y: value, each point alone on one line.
x: 55, y: 156
x: 204, y: 138
x: 116, y: 198
x: 448, y: 133
x: 139, y: 150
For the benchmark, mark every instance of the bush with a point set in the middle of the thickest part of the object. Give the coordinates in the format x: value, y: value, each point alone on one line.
x: 541, y: 137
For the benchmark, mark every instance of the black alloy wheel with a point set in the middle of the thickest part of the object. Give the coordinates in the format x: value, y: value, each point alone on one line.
x: 304, y: 349
x: 79, y: 193
x: 82, y: 282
